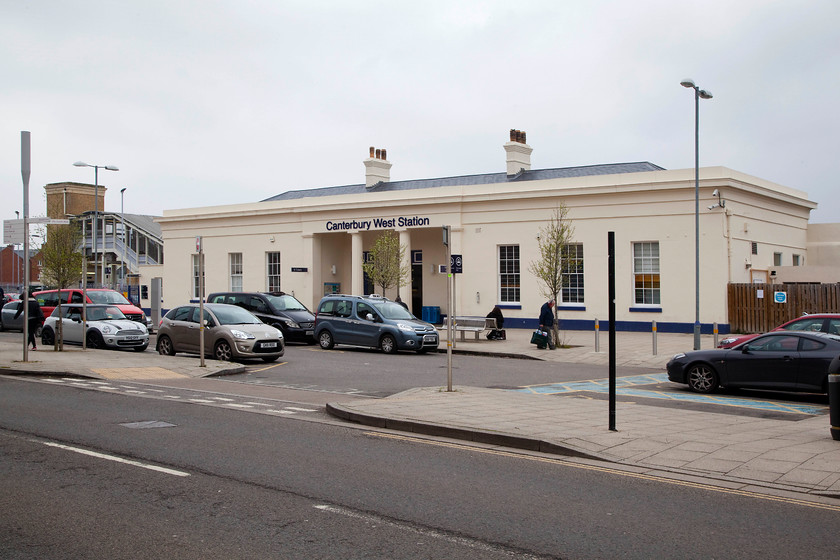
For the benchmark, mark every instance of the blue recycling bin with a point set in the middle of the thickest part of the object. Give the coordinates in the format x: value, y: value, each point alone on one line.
x: 431, y: 314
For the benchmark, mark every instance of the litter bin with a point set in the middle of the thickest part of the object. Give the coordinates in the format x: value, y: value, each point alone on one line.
x: 431, y: 314
x: 834, y: 397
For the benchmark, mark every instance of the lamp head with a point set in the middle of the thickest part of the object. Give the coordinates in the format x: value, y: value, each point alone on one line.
x: 115, y: 168
x: 122, y: 190
x: 688, y: 82
x: 705, y: 94
x: 81, y: 164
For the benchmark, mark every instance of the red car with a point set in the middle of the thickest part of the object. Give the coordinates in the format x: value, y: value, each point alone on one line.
x: 9, y: 297
x: 818, y: 322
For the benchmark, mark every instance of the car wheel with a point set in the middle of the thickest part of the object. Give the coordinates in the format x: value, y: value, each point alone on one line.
x: 141, y: 348
x: 388, y: 344
x: 47, y: 337
x: 702, y: 378
x: 165, y: 347
x: 223, y: 351
x: 94, y: 340
x: 269, y: 359
x: 325, y: 339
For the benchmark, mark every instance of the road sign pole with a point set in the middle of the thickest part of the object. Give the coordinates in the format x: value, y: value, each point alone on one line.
x: 25, y: 171
x: 449, y: 331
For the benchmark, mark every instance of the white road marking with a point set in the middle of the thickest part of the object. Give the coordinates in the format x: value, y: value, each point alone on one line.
x: 470, y: 543
x: 301, y: 409
x: 116, y: 459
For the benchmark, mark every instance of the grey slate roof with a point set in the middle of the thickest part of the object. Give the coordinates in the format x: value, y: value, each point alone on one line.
x: 483, y: 179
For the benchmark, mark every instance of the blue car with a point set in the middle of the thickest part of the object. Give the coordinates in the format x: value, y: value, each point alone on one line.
x: 373, y: 322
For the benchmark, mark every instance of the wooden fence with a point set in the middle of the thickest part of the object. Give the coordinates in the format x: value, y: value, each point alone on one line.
x: 753, y: 307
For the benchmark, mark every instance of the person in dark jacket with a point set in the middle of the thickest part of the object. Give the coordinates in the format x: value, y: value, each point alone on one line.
x: 36, y: 317
x: 498, y: 333
x: 547, y: 322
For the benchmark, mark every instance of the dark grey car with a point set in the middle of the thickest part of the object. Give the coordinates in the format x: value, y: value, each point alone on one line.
x: 779, y: 360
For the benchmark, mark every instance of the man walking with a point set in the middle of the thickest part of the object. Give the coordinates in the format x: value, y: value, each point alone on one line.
x: 547, y: 322
x: 36, y: 317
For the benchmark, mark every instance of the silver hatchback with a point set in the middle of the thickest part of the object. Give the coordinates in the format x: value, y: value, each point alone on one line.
x: 230, y: 332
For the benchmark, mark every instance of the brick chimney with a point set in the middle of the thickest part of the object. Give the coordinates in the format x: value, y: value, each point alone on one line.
x: 518, y: 153
x: 377, y: 167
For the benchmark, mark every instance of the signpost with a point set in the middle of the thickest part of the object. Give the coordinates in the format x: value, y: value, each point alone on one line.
x: 449, y: 311
x: 25, y: 172
x: 199, y: 250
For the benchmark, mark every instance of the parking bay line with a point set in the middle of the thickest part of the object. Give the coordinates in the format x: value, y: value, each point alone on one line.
x: 629, y: 386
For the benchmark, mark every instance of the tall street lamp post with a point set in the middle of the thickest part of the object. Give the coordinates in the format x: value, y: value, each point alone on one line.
x: 17, y: 261
x: 698, y: 94
x: 96, y: 215
x: 122, y: 222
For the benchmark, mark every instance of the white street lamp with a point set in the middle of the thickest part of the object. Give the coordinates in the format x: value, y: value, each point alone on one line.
x: 122, y: 222
x: 96, y: 215
x: 698, y: 94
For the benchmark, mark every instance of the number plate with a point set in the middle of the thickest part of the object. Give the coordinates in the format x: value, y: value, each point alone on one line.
x: 429, y: 338
x: 132, y: 337
x: 310, y: 333
x: 269, y: 345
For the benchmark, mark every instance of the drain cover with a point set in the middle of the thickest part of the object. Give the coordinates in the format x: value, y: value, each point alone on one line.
x: 148, y: 424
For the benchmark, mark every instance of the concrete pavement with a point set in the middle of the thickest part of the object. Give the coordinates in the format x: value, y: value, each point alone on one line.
x: 737, y: 450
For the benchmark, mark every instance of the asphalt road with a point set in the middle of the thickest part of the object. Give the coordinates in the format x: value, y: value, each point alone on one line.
x: 373, y: 373
x: 244, y: 485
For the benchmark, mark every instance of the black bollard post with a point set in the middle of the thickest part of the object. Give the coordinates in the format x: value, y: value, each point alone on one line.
x: 834, y: 397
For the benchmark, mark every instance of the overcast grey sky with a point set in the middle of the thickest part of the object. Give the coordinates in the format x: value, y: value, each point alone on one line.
x: 213, y: 102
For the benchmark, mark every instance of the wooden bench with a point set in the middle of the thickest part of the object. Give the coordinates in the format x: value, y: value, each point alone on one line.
x: 475, y: 325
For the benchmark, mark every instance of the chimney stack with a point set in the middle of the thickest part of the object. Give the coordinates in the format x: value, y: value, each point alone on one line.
x: 377, y: 167
x: 518, y: 153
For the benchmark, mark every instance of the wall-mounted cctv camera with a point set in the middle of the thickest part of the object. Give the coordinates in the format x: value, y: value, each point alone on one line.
x: 715, y: 192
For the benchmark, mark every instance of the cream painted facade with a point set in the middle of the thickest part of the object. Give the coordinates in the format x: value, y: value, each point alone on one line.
x: 738, y: 242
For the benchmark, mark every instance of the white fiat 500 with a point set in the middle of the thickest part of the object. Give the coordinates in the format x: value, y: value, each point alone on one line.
x: 106, y: 327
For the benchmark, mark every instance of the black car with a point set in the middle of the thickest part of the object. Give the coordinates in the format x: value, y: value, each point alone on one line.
x: 780, y: 360
x: 280, y: 310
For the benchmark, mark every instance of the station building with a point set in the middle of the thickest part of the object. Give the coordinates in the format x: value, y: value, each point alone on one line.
x: 313, y: 242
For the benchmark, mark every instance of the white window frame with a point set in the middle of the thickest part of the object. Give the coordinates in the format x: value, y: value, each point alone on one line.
x: 272, y: 271
x: 646, y: 262
x: 235, y: 268
x: 509, y: 294
x: 566, y: 289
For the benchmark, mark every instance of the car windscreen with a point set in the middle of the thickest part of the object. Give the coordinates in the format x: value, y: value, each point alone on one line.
x: 108, y: 297
x: 285, y: 303
x: 233, y: 315
x: 110, y: 313
x: 391, y: 310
